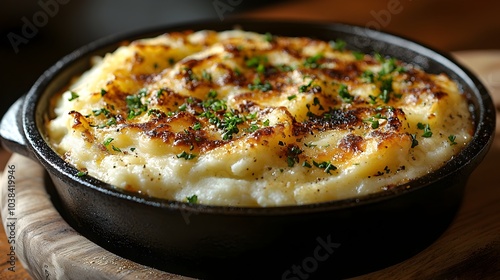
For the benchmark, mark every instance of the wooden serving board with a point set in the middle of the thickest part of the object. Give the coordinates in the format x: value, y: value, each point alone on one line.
x: 48, y: 248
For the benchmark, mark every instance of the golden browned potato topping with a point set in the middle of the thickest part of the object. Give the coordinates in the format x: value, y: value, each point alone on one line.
x: 246, y: 119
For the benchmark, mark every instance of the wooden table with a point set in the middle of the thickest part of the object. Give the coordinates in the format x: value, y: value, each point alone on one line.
x: 470, y: 248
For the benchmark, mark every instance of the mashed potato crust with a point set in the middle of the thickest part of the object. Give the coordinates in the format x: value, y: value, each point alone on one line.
x: 245, y: 119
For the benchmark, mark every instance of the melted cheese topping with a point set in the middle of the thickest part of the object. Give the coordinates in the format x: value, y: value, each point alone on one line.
x: 245, y: 119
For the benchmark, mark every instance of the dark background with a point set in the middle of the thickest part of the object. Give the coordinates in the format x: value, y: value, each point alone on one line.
x: 68, y: 24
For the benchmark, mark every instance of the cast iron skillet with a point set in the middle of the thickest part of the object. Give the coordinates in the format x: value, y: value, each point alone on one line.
x: 326, y: 240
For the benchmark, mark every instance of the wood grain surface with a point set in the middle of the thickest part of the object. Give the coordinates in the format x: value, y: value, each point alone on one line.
x: 469, y: 249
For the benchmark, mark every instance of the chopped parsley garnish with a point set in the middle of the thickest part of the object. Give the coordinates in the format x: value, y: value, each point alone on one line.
x: 155, y: 112
x: 368, y: 77
x: 386, y: 90
x: 190, y: 74
x: 74, y: 96
x: 197, y: 126
x: 253, y: 127
x: 293, y: 153
x: 325, y: 165
x: 256, y: 62
x: 102, y: 111
x: 159, y: 93
x: 103, y: 92
x: 206, y: 76
x: 212, y: 94
x: 111, y: 121
x: 452, y: 139
x: 230, y: 125
x: 426, y: 128
x: 186, y: 156
x: 375, y: 123
x: 108, y: 141
x: 215, y: 105
x: 81, y: 173
x: 268, y: 37
x: 258, y: 85
x: 338, y: 45
x: 310, y: 145
x: 291, y: 97
x: 304, y: 88
x: 358, y: 55
x: 414, y: 141
x: 192, y: 199
x: 312, y: 62
x: 285, y: 68
x: 134, y: 104
x: 116, y: 149
x: 388, y: 66
x: 344, y: 93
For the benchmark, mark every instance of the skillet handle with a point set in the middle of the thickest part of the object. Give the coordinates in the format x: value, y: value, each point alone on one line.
x: 11, y: 135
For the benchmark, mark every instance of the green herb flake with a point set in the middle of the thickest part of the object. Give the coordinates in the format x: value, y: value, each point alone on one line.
x: 206, y: 76
x: 192, y: 199
x: 256, y: 62
x: 304, y: 88
x: 258, y: 85
x: 386, y: 90
x: 74, y: 96
x: 338, y: 45
x: 102, y: 111
x: 134, y: 104
x: 159, y: 93
x: 344, y: 94
x: 108, y: 141
x: 325, y: 165
x: 268, y: 37
x: 111, y: 121
x: 388, y: 66
x: 452, y: 139
x: 358, y: 55
x: 367, y: 77
x: 103, y: 92
x: 81, y: 173
x: 116, y: 149
x: 291, y: 97
x: 186, y: 156
x: 285, y: 68
x: 212, y: 94
x: 312, y: 62
x: 426, y: 128
x: 414, y: 141
x: 197, y: 126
